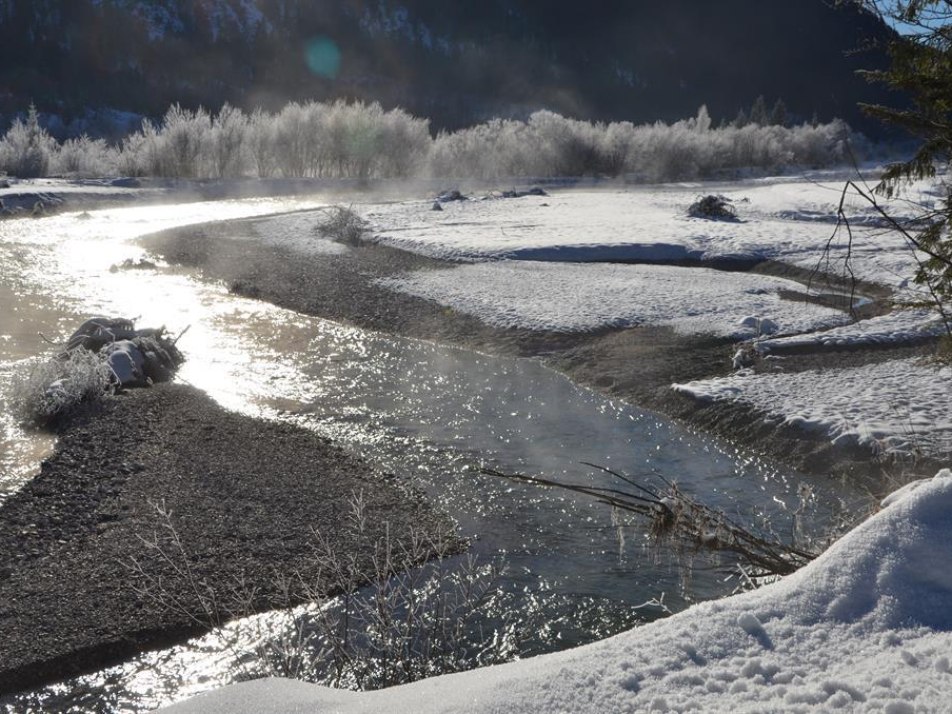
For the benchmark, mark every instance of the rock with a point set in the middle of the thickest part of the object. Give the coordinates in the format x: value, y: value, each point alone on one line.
x: 714, y: 208
x: 760, y: 325
x: 535, y: 191
x: 451, y: 195
x: 97, y: 332
x: 130, y: 264
x: 127, y: 363
x: 136, y: 358
x: 436, y: 206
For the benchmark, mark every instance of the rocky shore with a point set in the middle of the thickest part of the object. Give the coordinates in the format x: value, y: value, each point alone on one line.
x: 242, y: 495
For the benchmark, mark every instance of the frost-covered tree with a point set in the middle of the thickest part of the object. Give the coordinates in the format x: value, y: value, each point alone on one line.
x: 405, y: 143
x: 185, y: 142
x: 228, y: 142
x: 758, y: 112
x: 921, y: 68
x: 27, y: 149
x: 702, y: 122
x: 261, y: 137
x: 84, y: 158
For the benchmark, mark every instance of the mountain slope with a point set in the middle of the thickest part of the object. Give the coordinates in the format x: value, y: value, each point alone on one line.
x: 634, y: 59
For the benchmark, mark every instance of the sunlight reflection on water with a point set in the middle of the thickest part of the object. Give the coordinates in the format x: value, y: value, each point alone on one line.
x: 426, y: 413
x: 55, y: 273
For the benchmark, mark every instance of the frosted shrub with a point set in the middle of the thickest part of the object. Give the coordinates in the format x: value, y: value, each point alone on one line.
x: 383, y: 611
x: 498, y: 148
x: 184, y: 142
x: 85, y: 158
x: 566, y: 147
x: 27, y: 148
x: 228, y: 136
x: 342, y: 224
x: 55, y: 388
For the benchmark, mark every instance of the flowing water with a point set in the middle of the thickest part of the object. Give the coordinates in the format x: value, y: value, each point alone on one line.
x: 426, y: 413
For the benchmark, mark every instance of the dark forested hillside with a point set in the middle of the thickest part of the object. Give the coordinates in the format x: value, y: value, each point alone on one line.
x: 639, y: 60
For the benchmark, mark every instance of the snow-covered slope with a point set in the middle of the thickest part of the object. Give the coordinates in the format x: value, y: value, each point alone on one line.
x: 865, y: 628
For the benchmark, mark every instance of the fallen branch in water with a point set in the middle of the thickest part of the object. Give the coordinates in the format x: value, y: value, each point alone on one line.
x: 677, y: 518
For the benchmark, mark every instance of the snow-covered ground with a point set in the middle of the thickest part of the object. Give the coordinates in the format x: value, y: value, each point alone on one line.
x: 788, y: 219
x: 898, y: 408
x: 565, y: 297
x: 865, y: 628
x: 899, y: 327
x: 524, y: 263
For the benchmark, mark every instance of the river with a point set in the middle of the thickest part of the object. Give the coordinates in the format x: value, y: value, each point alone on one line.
x: 430, y: 414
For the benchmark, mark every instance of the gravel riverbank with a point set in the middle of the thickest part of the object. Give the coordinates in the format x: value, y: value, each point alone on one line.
x: 243, y: 496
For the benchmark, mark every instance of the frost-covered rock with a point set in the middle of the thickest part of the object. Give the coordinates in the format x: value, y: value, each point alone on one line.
x: 127, y: 363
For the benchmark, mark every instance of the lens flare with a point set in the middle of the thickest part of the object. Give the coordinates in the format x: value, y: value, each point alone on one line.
x: 323, y: 57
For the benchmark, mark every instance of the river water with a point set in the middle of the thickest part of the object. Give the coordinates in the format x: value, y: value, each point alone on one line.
x: 426, y: 413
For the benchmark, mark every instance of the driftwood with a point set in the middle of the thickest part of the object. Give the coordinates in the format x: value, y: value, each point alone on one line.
x: 677, y: 518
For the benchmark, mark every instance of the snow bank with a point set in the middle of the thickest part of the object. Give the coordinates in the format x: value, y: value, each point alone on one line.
x: 903, y: 327
x: 898, y: 408
x: 865, y: 628
x: 788, y: 219
x: 572, y: 298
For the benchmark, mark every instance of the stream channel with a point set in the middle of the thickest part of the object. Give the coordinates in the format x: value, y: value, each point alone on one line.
x: 426, y: 413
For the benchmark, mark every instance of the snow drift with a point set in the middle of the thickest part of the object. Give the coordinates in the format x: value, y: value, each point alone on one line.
x: 866, y: 627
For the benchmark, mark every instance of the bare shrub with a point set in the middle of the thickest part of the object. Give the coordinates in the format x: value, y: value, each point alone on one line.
x: 58, y: 386
x: 342, y: 224
x: 381, y: 612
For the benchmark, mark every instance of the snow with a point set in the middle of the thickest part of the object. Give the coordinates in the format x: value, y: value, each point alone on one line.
x: 297, y: 232
x: 788, y: 219
x: 902, y: 327
x: 864, y: 628
x: 898, y: 408
x: 576, y: 298
x: 543, y: 263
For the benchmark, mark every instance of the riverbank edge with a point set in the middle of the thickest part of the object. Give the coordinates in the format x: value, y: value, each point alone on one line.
x: 637, y: 365
x: 78, y: 568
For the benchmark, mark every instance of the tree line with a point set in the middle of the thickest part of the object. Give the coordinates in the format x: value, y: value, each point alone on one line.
x: 342, y: 140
